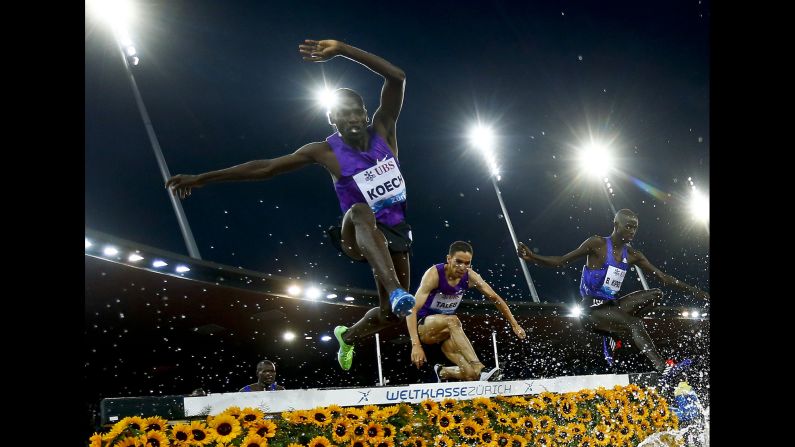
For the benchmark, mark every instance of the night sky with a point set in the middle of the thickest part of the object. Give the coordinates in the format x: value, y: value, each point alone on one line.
x: 224, y: 83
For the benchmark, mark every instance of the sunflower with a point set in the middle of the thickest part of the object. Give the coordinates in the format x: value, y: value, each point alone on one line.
x: 95, y: 440
x: 303, y: 417
x: 353, y: 414
x: 488, y: 436
x: 639, y: 394
x: 563, y: 435
x: 128, y: 423
x: 643, y: 428
x: 601, y: 435
x: 536, y: 404
x: 382, y: 442
x: 567, y: 408
x: 626, y: 431
x: 662, y: 411
x: 263, y: 427
x: 652, y: 399
x: 320, y: 417
x: 619, y: 419
x: 503, y: 419
x: 636, y: 413
x: 250, y: 415
x: 115, y: 430
x: 445, y: 422
x: 443, y: 441
x: 358, y: 430
x: 503, y: 439
x: 319, y: 441
x: 619, y: 400
x: 631, y: 388
x: 389, y: 430
x: 517, y: 441
x: 483, y: 403
x: 549, y: 398
x: 482, y: 419
x: 408, y: 410
x: 604, y: 394
x: 155, y: 439
x: 292, y: 444
x: 414, y: 441
x: 529, y: 423
x: 255, y: 440
x: 587, y: 441
x: 358, y: 443
x: 587, y: 416
x: 225, y: 428
x: 604, y: 411
x: 181, y: 434
x: 585, y: 394
x: 576, y: 428
x: 518, y: 401
x: 543, y: 440
x: 155, y: 423
x: 429, y: 405
x: 297, y: 417
x: 368, y: 410
x: 458, y: 416
x: 341, y: 430
x: 616, y: 440
x: 233, y: 411
x: 469, y: 429
x: 433, y: 417
x: 335, y: 410
x: 513, y: 419
x: 545, y: 423
x: 380, y: 415
x: 632, y: 417
x: 199, y: 434
x: 449, y: 404
x: 130, y: 441
x: 373, y: 430
x: 407, y: 430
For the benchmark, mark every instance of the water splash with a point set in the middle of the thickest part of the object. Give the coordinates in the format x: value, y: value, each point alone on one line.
x: 695, y: 434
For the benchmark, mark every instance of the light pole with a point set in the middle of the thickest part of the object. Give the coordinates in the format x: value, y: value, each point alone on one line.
x: 482, y: 138
x: 115, y: 13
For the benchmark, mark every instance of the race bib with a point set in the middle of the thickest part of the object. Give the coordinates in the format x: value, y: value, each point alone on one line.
x: 613, y: 280
x: 446, y: 304
x: 382, y: 185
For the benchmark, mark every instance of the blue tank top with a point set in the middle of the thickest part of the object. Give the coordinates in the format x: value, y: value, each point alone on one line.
x: 372, y: 177
x: 271, y: 387
x: 445, y: 298
x: 605, y: 282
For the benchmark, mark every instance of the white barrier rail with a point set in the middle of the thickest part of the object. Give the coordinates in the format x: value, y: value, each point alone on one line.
x: 290, y: 400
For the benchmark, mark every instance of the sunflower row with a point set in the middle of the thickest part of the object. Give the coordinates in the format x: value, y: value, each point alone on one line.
x: 621, y: 416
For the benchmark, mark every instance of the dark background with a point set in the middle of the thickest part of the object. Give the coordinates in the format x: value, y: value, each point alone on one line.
x: 223, y: 84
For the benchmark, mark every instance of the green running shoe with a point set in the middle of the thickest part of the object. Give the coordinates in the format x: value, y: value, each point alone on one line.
x: 345, y: 354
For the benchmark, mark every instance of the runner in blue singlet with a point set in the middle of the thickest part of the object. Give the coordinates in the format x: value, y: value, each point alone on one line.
x: 604, y: 312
